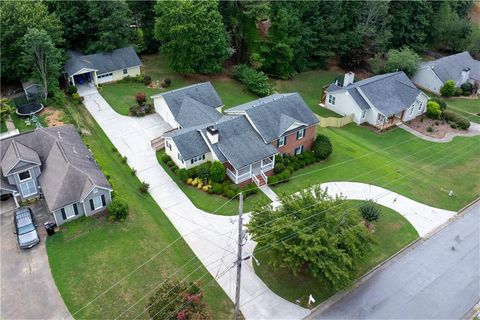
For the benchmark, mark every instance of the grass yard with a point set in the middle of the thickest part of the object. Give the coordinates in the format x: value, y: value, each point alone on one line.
x: 421, y: 170
x: 392, y: 233
x: 310, y: 86
x: 91, y: 254
x: 211, y: 202
x: 469, y: 108
x: 20, y: 124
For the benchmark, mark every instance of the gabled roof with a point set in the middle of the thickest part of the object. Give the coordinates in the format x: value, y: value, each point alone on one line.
x: 270, y: 115
x: 69, y: 172
x: 17, y: 152
x: 390, y: 93
x: 204, y: 93
x: 193, y: 113
x: 105, y: 62
x: 451, y: 67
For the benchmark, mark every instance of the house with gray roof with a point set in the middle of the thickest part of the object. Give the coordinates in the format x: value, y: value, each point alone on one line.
x: 382, y: 100
x: 104, y: 67
x: 245, y: 139
x: 460, y: 67
x: 189, y: 106
x: 53, y: 163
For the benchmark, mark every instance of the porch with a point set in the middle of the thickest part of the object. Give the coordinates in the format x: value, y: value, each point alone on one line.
x: 84, y: 77
x: 384, y: 122
x: 255, y: 171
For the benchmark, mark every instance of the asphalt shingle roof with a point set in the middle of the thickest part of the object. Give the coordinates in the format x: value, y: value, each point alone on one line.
x: 390, y: 93
x: 193, y: 113
x: 269, y: 114
x: 106, y: 62
x: 17, y: 152
x: 204, y: 93
x: 451, y: 67
x: 68, y: 171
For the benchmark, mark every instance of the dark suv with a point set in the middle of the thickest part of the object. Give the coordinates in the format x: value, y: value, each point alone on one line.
x: 25, y: 228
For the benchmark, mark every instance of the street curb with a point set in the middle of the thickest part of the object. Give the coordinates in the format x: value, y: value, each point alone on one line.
x: 339, y: 295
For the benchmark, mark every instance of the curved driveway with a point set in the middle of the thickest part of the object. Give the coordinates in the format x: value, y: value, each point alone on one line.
x: 212, y: 237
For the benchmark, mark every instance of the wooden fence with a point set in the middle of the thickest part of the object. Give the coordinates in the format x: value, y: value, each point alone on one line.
x: 335, y: 122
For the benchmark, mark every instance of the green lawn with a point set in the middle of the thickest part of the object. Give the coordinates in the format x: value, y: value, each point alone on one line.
x: 3, y: 126
x: 310, y: 86
x: 90, y: 255
x: 418, y: 169
x: 392, y: 233
x: 20, y: 124
x: 210, y: 202
x: 468, y: 108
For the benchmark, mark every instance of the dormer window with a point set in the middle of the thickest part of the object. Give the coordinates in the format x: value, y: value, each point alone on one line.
x: 25, y: 175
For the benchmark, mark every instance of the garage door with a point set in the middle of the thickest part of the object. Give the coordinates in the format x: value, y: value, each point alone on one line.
x: 105, y: 77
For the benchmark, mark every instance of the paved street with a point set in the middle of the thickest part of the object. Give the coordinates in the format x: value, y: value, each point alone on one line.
x: 28, y: 290
x: 437, y: 279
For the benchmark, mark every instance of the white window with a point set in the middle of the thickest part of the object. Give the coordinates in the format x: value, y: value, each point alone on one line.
x: 281, y: 141
x: 298, y: 150
x: 169, y: 146
x: 28, y: 188
x: 199, y: 158
x: 125, y: 71
x: 25, y: 175
x: 69, y: 212
x: 364, y: 112
x: 301, y: 134
x: 331, y: 99
x: 411, y: 110
x: 97, y: 203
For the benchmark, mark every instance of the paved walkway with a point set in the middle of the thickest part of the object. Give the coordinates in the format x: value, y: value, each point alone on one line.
x: 271, y: 195
x: 212, y: 237
x: 474, y: 130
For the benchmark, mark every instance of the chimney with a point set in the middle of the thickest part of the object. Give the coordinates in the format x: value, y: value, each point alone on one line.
x: 212, y: 134
x: 348, y: 79
x: 465, y: 75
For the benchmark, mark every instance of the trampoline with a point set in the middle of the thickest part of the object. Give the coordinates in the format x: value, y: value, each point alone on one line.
x: 29, y: 108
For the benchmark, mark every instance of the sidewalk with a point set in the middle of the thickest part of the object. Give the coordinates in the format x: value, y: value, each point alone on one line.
x: 474, y: 130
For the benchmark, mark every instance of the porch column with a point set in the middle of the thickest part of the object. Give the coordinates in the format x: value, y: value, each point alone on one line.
x: 252, y: 170
x: 95, y: 78
x: 15, y: 200
x: 73, y: 80
x: 236, y: 175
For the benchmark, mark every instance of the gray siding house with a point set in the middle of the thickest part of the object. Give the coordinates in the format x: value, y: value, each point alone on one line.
x: 55, y: 164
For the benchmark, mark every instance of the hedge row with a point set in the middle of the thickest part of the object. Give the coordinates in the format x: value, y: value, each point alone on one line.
x: 456, y: 120
x: 286, y: 165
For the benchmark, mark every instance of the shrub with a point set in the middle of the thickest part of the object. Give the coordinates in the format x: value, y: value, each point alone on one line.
x: 441, y: 102
x: 137, y: 111
x: 433, y: 110
x: 448, y: 89
x: 230, y: 194
x: 141, y: 98
x: 124, y: 159
x: 192, y: 172
x: 117, y: 209
x: 322, y: 147
x: 203, y: 171
x: 134, y: 171
x: 217, y: 172
x: 183, y: 174
x: 71, y: 90
x: 147, y: 80
x: 272, y: 180
x: 75, y: 97
x: 279, y: 167
x: 170, y: 163
x: 166, y: 158
x: 457, y: 119
x: 467, y: 88
x: 369, y: 211
x: 217, y: 188
x: 458, y: 92
x: 114, y: 150
x: 149, y: 108
x: 144, y: 187
x: 167, y: 83
x: 255, y: 81
x: 429, y: 129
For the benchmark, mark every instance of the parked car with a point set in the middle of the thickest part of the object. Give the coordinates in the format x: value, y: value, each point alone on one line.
x: 25, y: 228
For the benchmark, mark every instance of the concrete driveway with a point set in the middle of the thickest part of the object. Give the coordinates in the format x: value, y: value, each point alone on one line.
x: 27, y: 289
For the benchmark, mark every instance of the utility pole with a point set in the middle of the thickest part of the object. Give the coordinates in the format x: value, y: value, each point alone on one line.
x: 239, y: 257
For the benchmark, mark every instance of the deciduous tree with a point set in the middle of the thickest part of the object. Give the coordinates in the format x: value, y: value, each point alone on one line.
x: 405, y: 60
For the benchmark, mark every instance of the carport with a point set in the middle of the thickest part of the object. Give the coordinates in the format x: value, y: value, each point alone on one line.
x: 84, y: 76
x: 6, y: 193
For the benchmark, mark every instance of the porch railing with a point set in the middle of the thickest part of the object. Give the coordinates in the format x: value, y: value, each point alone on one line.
x: 238, y: 178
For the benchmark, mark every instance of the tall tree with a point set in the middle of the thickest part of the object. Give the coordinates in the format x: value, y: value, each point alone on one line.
x: 41, y: 60
x: 143, y: 13
x: 16, y: 18
x: 192, y: 35
x: 410, y: 23
x: 405, y: 60
x: 449, y: 30
x: 312, y: 231
x: 110, y: 21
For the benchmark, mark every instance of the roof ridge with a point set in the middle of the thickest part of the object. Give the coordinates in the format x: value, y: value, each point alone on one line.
x: 183, y: 88
x: 379, y: 77
x: 70, y: 164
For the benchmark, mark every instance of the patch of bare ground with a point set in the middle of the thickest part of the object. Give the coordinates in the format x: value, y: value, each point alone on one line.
x: 475, y: 13
x: 53, y: 116
x: 439, y: 128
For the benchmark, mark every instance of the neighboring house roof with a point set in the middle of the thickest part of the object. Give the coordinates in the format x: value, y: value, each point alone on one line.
x: 193, y: 113
x: 17, y: 152
x: 189, y: 142
x: 204, y: 93
x: 451, y: 67
x: 390, y: 93
x: 69, y: 172
x: 274, y: 114
x: 118, y: 59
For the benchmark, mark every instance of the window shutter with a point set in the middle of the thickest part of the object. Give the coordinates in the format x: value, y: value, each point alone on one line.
x: 285, y: 140
x: 64, y: 216
x: 75, y: 209
x: 91, y: 205
x: 278, y: 142
x: 103, y: 200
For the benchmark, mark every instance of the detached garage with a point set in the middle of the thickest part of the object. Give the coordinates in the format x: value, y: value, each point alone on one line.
x: 98, y: 68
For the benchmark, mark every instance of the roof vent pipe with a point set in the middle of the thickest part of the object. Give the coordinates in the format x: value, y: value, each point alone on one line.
x: 59, y: 135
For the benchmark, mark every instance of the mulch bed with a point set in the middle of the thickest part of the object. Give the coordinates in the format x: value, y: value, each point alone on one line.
x: 440, y: 127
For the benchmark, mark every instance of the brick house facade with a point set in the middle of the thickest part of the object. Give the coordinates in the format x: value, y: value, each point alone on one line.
x: 292, y: 142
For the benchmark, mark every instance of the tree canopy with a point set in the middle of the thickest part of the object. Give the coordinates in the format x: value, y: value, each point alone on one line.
x: 192, y: 35
x: 315, y: 232
x: 405, y: 60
